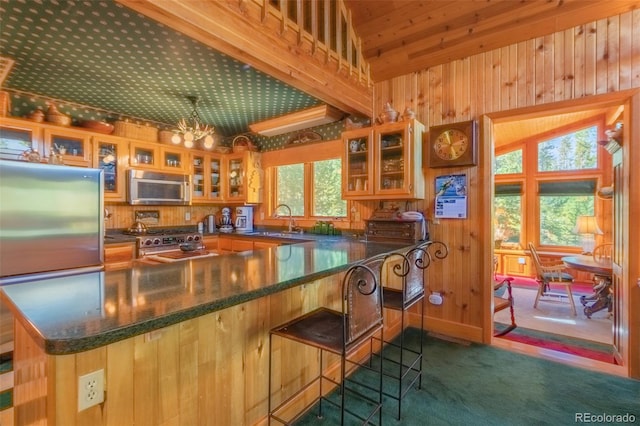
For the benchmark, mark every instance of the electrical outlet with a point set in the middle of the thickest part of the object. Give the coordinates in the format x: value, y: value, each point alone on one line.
x: 90, y: 389
x: 521, y: 260
x: 187, y: 216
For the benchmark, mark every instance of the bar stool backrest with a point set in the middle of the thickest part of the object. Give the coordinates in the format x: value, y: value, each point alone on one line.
x: 362, y: 299
x: 418, y: 261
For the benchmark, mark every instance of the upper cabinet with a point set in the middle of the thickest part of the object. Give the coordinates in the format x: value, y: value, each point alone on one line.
x: 384, y: 162
x: 158, y: 157
x: 73, y: 145
x: 243, y: 177
x: 206, y: 170
x: 18, y: 136
x: 110, y: 154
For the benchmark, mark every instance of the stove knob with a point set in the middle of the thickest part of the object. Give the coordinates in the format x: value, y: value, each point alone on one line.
x: 147, y: 242
x: 156, y: 241
x: 196, y: 238
x: 190, y: 238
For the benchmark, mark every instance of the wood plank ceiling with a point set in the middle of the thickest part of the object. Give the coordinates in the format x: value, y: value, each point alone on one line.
x: 400, y: 36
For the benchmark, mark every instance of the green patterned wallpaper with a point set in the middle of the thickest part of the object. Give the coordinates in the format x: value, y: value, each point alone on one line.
x: 101, y: 60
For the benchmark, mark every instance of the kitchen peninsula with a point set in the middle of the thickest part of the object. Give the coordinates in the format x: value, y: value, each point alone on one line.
x: 179, y: 343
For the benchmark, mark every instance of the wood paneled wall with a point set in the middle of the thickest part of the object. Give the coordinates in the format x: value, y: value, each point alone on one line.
x: 598, y: 58
x: 210, y: 370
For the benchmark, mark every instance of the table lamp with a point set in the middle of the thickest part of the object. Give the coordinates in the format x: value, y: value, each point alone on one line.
x: 587, y: 227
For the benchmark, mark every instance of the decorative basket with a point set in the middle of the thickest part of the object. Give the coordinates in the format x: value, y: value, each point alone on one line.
x: 164, y: 136
x: 135, y: 131
x: 242, y: 143
x: 56, y: 117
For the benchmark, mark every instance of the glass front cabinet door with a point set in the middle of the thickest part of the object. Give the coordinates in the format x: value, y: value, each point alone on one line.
x: 357, y: 171
x: 144, y: 156
x: 384, y: 162
x: 74, y: 146
x: 398, y: 160
x: 205, y: 169
x: 109, y: 154
x: 18, y: 138
x: 235, y: 177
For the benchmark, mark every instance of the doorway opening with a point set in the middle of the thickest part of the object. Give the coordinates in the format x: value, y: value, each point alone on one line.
x: 551, y: 324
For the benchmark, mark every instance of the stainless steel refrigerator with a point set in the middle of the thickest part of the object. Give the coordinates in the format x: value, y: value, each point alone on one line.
x: 51, y: 220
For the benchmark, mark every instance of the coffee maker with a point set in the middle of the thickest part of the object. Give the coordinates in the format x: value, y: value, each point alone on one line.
x: 244, y: 219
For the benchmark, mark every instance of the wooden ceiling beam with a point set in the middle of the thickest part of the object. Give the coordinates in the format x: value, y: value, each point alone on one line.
x: 241, y: 30
x: 409, y: 36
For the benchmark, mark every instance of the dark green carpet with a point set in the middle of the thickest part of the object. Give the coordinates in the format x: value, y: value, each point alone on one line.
x: 480, y: 385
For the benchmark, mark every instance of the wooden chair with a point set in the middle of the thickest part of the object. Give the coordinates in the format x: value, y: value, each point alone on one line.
x: 341, y: 333
x: 500, y: 286
x: 548, y: 274
x: 603, y: 251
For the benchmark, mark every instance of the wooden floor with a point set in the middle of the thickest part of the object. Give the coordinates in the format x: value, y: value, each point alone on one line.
x: 555, y: 317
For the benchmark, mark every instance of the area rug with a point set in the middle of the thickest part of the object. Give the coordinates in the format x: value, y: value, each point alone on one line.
x: 580, y: 347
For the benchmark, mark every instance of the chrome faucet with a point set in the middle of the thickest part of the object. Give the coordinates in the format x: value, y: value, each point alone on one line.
x: 292, y: 226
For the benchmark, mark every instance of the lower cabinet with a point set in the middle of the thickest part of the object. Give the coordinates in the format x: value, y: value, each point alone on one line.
x: 118, y: 256
x: 227, y: 243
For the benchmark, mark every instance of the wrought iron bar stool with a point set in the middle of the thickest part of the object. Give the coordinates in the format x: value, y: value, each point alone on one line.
x: 403, y: 286
x: 342, y: 333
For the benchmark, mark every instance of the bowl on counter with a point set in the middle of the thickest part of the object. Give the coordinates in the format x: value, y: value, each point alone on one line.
x: 189, y: 246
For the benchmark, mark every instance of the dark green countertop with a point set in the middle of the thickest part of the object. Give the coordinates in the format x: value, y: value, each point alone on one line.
x: 80, y: 312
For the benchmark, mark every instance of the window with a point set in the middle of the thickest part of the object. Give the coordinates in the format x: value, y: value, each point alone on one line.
x: 508, y: 213
x: 508, y: 163
x: 325, y: 180
x: 573, y: 151
x: 290, y: 184
x: 560, y: 205
x: 542, y: 205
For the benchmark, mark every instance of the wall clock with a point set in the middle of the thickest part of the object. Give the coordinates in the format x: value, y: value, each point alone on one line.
x: 453, y: 145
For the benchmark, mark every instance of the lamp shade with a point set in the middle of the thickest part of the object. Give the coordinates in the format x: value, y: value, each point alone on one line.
x: 587, y: 225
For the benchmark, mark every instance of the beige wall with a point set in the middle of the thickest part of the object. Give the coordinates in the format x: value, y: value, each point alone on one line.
x: 599, y: 58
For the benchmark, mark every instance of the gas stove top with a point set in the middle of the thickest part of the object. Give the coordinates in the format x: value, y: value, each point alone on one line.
x: 166, y: 241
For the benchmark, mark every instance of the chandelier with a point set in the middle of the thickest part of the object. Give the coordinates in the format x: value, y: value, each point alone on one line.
x: 193, y: 129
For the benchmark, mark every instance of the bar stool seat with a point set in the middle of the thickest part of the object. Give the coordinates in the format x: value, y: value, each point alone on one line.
x: 340, y: 333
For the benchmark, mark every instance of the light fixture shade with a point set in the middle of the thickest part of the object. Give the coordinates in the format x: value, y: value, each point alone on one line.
x: 304, y: 119
x: 208, y: 142
x: 175, y: 139
x: 587, y: 225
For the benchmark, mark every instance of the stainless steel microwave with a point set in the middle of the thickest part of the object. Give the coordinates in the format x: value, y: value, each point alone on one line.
x: 157, y: 188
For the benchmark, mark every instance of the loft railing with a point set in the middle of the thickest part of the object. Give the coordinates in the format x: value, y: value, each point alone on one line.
x: 327, y: 26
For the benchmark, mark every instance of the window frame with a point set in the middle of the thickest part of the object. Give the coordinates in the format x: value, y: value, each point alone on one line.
x: 308, y: 219
x: 531, y: 177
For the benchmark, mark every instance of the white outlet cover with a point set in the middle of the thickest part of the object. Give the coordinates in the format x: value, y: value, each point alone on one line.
x: 435, y: 299
x: 90, y: 389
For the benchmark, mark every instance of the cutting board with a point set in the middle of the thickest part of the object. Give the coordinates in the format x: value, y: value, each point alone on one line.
x: 177, y: 256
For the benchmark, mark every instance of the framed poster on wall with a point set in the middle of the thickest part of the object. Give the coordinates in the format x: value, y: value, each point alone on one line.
x: 451, y: 197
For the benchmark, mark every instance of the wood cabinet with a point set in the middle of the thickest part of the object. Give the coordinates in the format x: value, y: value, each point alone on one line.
x: 384, y: 162
x: 158, y: 157
x: 206, y: 170
x: 119, y: 256
x: 110, y: 154
x: 74, y: 145
x: 229, y: 243
x: 211, y: 242
x: 243, y: 177
x: 18, y: 136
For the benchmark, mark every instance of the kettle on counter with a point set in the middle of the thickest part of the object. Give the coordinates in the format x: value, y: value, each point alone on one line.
x: 138, y: 228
